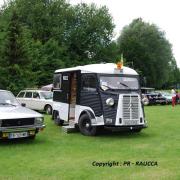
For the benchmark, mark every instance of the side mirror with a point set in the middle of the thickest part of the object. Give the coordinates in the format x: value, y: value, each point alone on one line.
x: 23, y: 104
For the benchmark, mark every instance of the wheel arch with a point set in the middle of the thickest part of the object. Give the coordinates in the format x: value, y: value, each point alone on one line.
x: 89, y: 113
x: 47, y: 105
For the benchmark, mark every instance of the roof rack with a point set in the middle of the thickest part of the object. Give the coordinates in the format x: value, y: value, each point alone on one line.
x: 32, y: 89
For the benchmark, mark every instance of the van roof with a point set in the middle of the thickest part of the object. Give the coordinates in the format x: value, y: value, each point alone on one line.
x: 107, y: 68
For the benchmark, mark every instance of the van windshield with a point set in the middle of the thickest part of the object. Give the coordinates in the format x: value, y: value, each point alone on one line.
x: 118, y: 83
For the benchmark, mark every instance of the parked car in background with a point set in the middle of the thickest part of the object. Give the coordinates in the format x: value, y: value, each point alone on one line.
x: 153, y: 99
x: 37, y: 100
x: 17, y: 121
x: 150, y: 97
x: 168, y: 97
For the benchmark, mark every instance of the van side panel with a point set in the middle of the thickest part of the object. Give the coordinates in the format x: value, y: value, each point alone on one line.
x: 92, y: 100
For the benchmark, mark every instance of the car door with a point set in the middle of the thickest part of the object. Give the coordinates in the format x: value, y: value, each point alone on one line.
x: 28, y: 99
x: 20, y: 97
x: 37, y: 102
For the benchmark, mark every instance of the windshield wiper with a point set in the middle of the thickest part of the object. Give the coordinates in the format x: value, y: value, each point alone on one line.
x: 7, y: 104
x: 124, y: 85
x: 107, y: 88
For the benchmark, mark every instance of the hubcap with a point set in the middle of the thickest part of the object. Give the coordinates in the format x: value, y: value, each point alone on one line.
x: 48, y: 111
x: 87, y: 125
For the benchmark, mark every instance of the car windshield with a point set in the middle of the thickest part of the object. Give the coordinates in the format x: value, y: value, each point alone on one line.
x: 47, y: 95
x: 118, y: 83
x: 7, y: 98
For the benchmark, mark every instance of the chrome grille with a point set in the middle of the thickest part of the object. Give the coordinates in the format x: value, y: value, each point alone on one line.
x: 130, y: 107
x: 17, y: 122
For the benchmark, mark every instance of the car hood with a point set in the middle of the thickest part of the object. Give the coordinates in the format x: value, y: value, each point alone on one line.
x: 13, y: 112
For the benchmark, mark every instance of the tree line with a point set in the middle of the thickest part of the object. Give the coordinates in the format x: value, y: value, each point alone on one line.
x: 40, y: 36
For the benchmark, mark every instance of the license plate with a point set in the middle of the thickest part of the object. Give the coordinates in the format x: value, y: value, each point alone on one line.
x: 130, y: 122
x: 18, y: 135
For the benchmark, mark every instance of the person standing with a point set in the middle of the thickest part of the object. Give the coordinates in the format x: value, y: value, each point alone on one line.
x: 177, y: 97
x: 173, y: 92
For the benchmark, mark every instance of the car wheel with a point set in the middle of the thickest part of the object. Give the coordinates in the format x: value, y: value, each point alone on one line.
x: 85, y: 126
x: 48, y: 109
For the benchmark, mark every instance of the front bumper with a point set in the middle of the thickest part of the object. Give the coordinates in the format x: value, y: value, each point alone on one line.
x: 32, y: 130
x: 126, y: 128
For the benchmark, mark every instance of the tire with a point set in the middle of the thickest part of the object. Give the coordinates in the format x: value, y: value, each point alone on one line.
x: 85, y: 126
x: 48, y: 109
x: 57, y: 120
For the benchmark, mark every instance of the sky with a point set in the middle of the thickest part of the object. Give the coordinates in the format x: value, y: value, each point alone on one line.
x: 164, y: 13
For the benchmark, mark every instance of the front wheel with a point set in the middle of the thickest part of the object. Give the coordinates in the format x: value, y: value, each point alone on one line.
x: 85, y: 126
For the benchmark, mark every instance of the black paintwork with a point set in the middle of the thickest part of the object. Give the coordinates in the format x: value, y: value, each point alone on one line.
x: 92, y: 100
x: 96, y: 100
x: 109, y: 111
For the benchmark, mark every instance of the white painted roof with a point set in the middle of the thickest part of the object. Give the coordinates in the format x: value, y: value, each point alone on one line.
x: 107, y: 68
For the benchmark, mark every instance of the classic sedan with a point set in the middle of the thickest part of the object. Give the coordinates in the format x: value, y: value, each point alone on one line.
x: 17, y: 121
x: 36, y: 100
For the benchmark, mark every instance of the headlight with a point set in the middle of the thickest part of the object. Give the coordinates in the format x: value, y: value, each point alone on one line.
x: 110, y: 101
x: 39, y: 120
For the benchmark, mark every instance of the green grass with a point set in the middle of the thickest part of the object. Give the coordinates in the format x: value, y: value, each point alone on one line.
x: 55, y: 155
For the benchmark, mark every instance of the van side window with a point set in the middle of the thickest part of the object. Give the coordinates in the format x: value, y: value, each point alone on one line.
x: 57, y: 81
x: 89, y: 82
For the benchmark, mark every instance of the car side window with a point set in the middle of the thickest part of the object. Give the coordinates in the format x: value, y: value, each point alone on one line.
x: 21, y: 94
x: 28, y: 95
x: 36, y: 95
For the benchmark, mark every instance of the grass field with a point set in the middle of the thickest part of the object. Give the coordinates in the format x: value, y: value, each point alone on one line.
x: 55, y: 155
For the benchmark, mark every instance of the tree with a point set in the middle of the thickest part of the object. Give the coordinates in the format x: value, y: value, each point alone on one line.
x: 55, y: 34
x: 15, y: 65
x: 90, y: 34
x: 146, y: 47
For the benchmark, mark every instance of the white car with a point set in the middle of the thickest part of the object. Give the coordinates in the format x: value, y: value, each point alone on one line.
x: 17, y: 121
x: 36, y: 100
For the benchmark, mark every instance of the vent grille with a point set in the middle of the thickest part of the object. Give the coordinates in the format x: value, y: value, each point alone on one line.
x: 130, y: 107
x: 17, y: 122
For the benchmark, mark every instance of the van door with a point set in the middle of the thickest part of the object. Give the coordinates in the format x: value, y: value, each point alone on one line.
x: 89, y: 93
x: 65, y: 96
x: 61, y: 94
x: 73, y: 96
